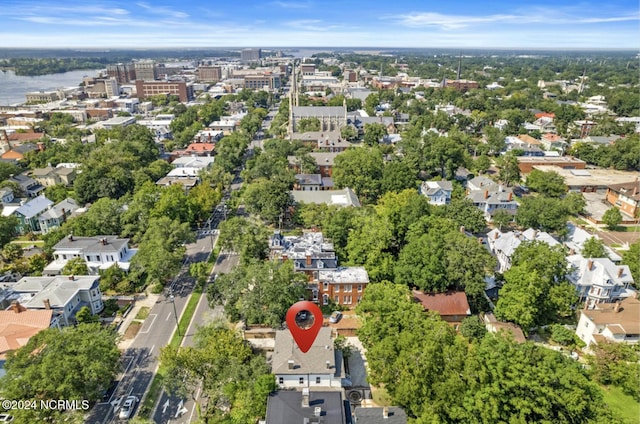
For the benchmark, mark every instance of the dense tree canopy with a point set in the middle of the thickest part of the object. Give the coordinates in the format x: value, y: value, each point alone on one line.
x: 74, y: 363
x: 360, y: 169
x: 550, y: 184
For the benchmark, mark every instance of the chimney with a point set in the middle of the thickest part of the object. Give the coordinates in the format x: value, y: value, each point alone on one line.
x: 328, y: 364
x: 70, y: 237
x: 496, y: 235
x: 635, y: 190
x: 616, y: 308
x: 385, y: 412
x: 317, y: 411
x: 486, y: 194
x: 285, y: 257
x: 510, y: 198
x: 72, y: 277
x: 308, y: 260
x: 620, y: 270
x: 17, y: 307
x: 103, y: 241
x: 305, y: 397
x: 46, y: 303
x: 572, y: 251
x: 290, y: 363
x: 589, y: 264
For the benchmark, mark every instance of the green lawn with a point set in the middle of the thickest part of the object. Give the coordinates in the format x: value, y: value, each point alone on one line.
x: 624, y: 406
x: 381, y: 397
x: 143, y: 313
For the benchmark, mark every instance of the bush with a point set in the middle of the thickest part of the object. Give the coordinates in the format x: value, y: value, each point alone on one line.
x: 565, y: 337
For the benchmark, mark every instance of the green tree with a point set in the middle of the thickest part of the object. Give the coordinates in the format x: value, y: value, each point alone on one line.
x: 111, y: 277
x: 616, y: 364
x: 373, y: 133
x: 509, y: 169
x: 397, y: 176
x: 259, y: 292
x: 481, y: 164
x: 348, y: 132
x: 75, y: 266
x: 12, y: 252
x: 564, y: 336
x: 542, y: 213
x: 631, y: 258
x: 224, y: 366
x: 72, y: 363
x: 84, y: 316
x: 56, y: 193
x: 370, y: 244
x: 550, y: 184
x: 360, y: 169
x: 161, y: 250
x: 7, y: 169
x: 465, y: 214
x: 246, y: 237
x: 594, y: 248
x: 172, y: 203
x: 501, y: 218
x: 575, y: 203
x: 8, y: 225
x: 612, y: 218
x: 472, y: 328
x: 268, y: 199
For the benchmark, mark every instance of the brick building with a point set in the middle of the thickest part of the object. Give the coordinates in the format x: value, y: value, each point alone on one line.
x: 343, y: 286
x: 153, y: 88
x: 626, y: 197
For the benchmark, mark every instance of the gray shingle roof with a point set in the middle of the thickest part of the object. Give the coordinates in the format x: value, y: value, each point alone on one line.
x: 285, y: 407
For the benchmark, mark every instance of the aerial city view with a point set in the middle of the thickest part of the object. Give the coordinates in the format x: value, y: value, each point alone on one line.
x: 305, y: 212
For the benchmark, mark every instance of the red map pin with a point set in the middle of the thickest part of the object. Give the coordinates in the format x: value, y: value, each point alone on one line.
x: 304, y: 320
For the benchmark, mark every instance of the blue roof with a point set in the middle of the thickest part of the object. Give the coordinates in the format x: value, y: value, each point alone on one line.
x: 34, y: 207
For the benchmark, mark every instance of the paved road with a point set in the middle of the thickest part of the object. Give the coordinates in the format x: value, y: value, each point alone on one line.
x: 174, y: 409
x: 140, y: 361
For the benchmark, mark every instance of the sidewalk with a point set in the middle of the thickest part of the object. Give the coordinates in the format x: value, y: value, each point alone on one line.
x: 149, y: 301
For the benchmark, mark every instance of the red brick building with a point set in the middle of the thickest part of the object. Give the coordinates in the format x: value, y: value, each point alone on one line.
x: 343, y: 286
x: 626, y: 197
x: 146, y: 89
x: 452, y: 306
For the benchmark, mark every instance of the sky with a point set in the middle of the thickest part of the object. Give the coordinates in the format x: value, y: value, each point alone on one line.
x: 544, y: 24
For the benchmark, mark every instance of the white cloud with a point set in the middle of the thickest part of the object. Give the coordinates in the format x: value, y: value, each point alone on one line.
x: 291, y: 4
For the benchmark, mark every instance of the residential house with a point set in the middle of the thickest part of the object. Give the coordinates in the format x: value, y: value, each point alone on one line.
x: 17, y: 152
x: 57, y: 215
x: 438, y: 192
x: 552, y: 141
x: 626, y: 197
x: 599, y: 280
x: 99, y: 252
x: 200, y: 149
x: 299, y: 407
x: 308, y: 182
x: 64, y: 295
x: 343, y: 285
x: 503, y: 245
x: 187, y: 182
x: 28, y: 214
x: 18, y: 324
x: 452, y: 306
x: 31, y: 187
x: 193, y: 161
x: 6, y: 195
x: 320, y: 367
x: 490, y: 197
x: 617, y: 322
x: 576, y: 237
x: 379, y: 415
x: 494, y: 326
x: 310, y: 252
x: 324, y: 162
x: 344, y: 197
x: 49, y: 176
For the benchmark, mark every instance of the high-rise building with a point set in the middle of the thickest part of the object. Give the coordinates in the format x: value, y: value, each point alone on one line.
x: 122, y: 72
x: 146, y: 70
x: 250, y: 55
x: 209, y: 73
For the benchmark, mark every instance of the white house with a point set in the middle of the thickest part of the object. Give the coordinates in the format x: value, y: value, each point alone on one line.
x: 320, y: 367
x: 65, y: 295
x: 438, y: 192
x: 502, y: 245
x: 599, y: 280
x: 100, y: 252
x: 615, y: 322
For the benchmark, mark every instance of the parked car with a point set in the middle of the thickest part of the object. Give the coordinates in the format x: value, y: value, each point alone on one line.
x: 127, y: 407
x: 335, y: 316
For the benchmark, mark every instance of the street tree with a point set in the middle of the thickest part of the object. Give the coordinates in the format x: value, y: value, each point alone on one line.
x: 246, y: 237
x: 73, y: 363
x: 268, y: 199
x: 542, y: 213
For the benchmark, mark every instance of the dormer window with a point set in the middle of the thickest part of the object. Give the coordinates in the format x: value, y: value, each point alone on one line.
x: 320, y: 264
x: 297, y: 264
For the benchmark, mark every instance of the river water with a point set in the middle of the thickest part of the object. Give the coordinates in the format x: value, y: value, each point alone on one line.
x: 14, y: 87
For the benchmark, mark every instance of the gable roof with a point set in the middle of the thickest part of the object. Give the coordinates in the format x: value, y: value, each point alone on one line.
x: 344, y: 197
x: 34, y: 207
x: 446, y: 304
x: 630, y: 190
